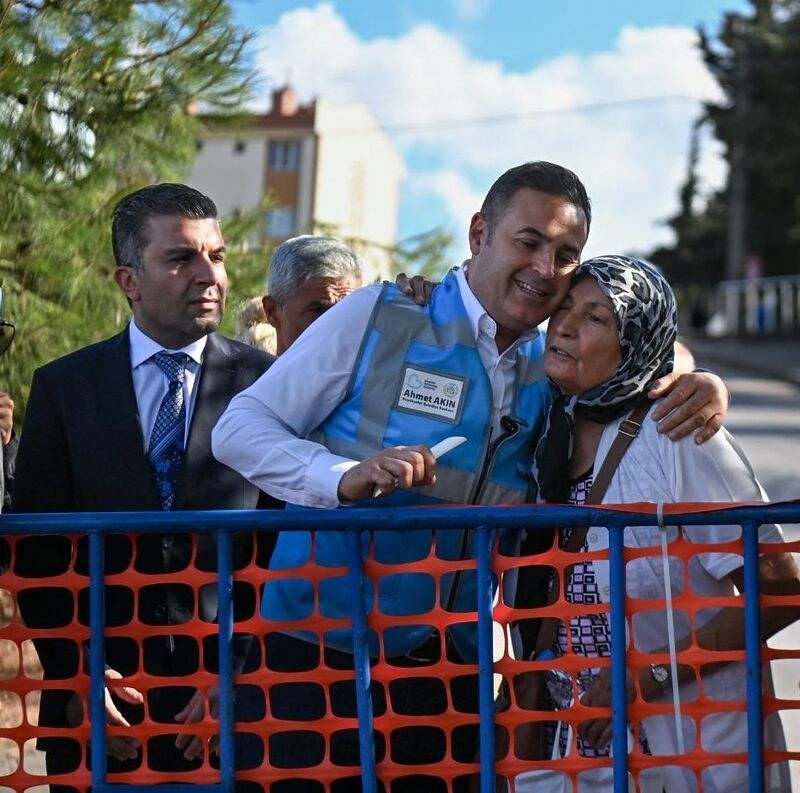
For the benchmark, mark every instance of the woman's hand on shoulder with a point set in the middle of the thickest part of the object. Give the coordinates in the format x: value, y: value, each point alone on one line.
x: 693, y: 402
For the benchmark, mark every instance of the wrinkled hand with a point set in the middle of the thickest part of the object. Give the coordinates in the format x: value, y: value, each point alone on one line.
x: 597, y: 732
x: 694, y: 401
x: 6, y: 417
x: 391, y: 469
x: 121, y: 747
x: 195, y: 710
x: 418, y: 287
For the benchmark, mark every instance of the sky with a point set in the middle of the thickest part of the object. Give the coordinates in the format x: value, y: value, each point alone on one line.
x: 469, y: 88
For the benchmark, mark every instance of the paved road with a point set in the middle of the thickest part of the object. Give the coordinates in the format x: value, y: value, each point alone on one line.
x: 765, y: 418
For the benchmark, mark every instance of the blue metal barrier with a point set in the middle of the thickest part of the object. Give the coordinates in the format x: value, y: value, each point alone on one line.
x: 486, y: 520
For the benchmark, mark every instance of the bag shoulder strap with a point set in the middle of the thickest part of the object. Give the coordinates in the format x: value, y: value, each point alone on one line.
x: 628, y: 430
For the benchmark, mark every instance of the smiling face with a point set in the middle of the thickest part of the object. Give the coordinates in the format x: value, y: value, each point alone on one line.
x: 583, y: 347
x: 522, y: 262
x: 312, y: 298
x: 178, y: 295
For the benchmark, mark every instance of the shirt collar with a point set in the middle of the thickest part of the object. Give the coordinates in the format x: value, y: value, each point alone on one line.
x: 479, y: 319
x: 143, y: 348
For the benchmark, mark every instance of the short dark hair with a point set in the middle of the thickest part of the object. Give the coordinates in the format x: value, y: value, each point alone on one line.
x: 546, y: 177
x: 129, y: 221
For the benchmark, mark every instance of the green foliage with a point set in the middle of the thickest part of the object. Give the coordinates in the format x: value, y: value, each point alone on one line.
x: 97, y: 98
x: 427, y: 254
x: 757, y: 63
x: 698, y: 255
x: 246, y: 264
x: 755, y: 58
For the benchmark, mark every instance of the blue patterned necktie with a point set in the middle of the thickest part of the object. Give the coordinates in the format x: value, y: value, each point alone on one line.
x: 167, y: 438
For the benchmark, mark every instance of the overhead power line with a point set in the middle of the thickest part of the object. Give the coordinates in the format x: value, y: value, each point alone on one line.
x: 596, y: 107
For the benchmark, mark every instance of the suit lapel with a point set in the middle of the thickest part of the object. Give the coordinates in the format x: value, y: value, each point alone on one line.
x: 217, y: 385
x: 121, y: 421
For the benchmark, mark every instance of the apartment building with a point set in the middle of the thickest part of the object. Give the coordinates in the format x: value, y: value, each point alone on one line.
x: 325, y: 166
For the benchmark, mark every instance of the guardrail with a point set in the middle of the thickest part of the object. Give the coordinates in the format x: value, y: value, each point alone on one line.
x: 357, y: 523
x: 760, y: 306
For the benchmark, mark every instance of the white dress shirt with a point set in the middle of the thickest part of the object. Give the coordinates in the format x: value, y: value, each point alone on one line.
x: 150, y: 383
x: 262, y: 434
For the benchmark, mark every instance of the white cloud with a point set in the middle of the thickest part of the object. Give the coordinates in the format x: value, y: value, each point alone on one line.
x: 458, y: 197
x: 457, y: 194
x: 632, y: 158
x: 470, y: 9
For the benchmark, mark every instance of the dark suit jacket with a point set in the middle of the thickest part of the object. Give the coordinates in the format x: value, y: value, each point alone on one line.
x: 82, y: 450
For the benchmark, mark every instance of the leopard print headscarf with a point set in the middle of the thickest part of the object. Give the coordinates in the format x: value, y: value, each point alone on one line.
x: 644, y: 305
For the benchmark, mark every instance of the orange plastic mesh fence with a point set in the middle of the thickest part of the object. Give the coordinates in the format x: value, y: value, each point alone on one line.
x: 437, y: 712
x: 702, y: 703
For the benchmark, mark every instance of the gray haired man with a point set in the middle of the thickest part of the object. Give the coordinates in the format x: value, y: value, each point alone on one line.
x: 307, y: 276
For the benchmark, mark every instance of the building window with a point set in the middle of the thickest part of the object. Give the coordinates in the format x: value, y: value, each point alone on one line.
x: 239, y: 147
x: 280, y: 222
x: 284, y: 155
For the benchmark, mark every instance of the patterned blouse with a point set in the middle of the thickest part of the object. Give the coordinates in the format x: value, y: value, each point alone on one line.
x: 589, y: 635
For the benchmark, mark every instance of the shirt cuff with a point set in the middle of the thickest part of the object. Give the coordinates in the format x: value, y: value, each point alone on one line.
x: 323, y: 477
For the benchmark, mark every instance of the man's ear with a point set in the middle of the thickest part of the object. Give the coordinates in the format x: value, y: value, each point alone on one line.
x: 128, y: 282
x: 478, y: 231
x: 271, y: 311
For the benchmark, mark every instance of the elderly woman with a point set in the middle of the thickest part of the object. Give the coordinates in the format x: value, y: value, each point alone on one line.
x: 612, y: 336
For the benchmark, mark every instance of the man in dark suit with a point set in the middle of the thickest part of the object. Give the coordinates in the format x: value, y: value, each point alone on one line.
x: 125, y: 424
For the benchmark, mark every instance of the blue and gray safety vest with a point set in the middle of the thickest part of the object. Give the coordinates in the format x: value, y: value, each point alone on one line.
x: 418, y: 378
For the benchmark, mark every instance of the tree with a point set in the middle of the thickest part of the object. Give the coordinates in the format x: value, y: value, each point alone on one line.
x: 755, y: 58
x: 97, y: 98
x: 757, y: 62
x: 698, y: 254
x: 425, y: 254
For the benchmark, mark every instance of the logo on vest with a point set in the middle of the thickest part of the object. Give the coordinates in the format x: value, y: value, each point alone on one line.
x: 436, y: 394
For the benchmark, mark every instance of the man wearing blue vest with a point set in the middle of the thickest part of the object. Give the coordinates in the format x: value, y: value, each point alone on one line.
x: 377, y: 372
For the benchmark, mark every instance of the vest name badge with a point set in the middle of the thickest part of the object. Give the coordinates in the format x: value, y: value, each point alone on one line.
x: 427, y: 392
